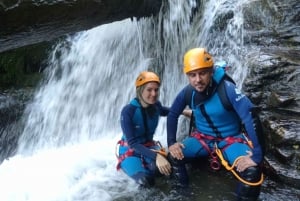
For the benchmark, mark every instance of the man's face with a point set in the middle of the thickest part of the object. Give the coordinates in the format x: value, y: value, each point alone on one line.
x: 200, y: 79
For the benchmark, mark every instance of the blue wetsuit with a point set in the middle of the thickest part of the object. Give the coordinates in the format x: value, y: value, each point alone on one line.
x: 208, y: 105
x: 138, y: 125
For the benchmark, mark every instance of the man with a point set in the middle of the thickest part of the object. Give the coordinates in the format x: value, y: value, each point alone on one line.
x: 218, y: 130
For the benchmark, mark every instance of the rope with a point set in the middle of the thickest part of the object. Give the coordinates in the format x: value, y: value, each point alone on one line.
x: 231, y: 168
x: 162, y: 151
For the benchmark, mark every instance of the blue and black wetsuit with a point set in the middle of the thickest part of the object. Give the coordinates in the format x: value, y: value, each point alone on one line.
x: 138, y: 125
x: 228, y: 123
x: 216, y: 125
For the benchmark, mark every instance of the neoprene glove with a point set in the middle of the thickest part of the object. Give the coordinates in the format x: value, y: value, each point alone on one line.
x: 163, y: 165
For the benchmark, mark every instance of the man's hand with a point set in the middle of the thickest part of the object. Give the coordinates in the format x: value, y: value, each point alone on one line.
x: 245, y: 162
x: 163, y: 165
x: 176, y: 150
x: 187, y: 113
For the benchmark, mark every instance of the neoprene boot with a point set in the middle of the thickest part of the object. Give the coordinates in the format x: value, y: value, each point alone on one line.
x: 246, y: 192
x: 179, y: 172
x: 144, y: 180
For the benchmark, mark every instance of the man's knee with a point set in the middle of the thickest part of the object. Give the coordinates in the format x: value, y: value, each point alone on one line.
x: 252, y: 174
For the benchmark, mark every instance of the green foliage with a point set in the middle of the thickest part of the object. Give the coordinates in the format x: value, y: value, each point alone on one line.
x: 23, y: 67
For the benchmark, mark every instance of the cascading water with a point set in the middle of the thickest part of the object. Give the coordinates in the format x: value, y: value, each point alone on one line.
x: 90, y: 78
x: 66, y: 151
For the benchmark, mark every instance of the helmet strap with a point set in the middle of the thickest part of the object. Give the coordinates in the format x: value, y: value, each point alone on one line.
x: 209, y: 86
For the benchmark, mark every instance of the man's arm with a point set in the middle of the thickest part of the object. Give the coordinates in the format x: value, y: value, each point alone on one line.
x: 176, y: 110
x: 242, y: 105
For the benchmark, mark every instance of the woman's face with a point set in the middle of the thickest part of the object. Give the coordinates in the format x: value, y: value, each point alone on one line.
x: 150, y: 93
x: 200, y: 79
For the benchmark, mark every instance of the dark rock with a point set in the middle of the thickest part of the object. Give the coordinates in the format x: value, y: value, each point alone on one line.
x: 12, y: 105
x: 23, y: 67
x: 283, y: 130
x: 275, y: 100
x: 28, y: 22
x: 273, y: 82
x: 280, y: 172
x: 284, y: 156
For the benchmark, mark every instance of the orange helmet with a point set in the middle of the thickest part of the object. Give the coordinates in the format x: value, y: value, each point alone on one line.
x: 197, y: 58
x: 145, y: 77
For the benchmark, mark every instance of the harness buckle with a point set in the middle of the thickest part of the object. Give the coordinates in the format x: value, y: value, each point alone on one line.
x: 215, y: 162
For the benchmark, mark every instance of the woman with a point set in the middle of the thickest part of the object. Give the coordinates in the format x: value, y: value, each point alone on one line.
x: 139, y: 156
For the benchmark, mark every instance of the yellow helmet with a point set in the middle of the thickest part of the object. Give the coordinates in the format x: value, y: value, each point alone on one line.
x: 145, y: 77
x: 197, y: 58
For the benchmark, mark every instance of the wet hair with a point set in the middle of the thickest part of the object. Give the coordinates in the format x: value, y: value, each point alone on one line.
x: 139, y: 90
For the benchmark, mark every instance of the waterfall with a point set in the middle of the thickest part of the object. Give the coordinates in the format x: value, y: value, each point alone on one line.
x: 90, y: 75
x: 90, y: 78
x: 66, y: 151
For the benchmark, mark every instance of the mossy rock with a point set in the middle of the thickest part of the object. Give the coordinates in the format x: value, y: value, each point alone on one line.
x: 23, y: 67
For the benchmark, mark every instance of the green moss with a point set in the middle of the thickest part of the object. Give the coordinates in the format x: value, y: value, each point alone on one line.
x: 23, y: 67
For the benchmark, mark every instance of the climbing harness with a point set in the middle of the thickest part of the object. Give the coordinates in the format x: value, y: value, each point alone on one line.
x: 214, y: 161
x: 130, y: 151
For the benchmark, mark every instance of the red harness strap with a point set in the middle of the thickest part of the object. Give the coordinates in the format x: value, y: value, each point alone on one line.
x: 229, y: 140
x: 201, y: 137
x: 122, y: 157
x: 129, y: 152
x: 214, y: 162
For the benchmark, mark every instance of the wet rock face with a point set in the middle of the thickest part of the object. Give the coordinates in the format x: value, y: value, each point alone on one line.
x: 25, y: 22
x: 12, y: 105
x: 273, y: 82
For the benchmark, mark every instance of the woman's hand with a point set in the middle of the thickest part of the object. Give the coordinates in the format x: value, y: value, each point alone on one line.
x: 163, y: 165
x: 176, y: 150
x: 245, y: 162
